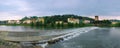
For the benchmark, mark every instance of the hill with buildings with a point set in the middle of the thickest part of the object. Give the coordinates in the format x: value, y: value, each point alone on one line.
x: 55, y: 20
x: 68, y: 20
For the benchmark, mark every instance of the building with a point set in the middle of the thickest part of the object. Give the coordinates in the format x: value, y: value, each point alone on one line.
x: 115, y: 21
x: 13, y: 22
x: 28, y: 21
x: 40, y: 20
x: 86, y: 21
x: 58, y: 22
x: 73, y: 20
x: 96, y: 18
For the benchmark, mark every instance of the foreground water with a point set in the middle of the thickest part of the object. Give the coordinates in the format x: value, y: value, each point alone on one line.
x: 86, y: 37
x: 98, y: 38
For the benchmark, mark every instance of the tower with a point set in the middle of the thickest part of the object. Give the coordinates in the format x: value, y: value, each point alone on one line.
x: 96, y: 18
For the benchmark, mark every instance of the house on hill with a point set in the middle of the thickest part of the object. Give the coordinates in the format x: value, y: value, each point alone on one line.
x: 86, y: 21
x: 28, y: 21
x: 73, y: 20
x: 13, y: 22
x: 40, y: 20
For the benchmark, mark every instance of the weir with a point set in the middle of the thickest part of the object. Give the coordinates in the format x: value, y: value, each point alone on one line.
x: 25, y: 36
x: 36, y: 38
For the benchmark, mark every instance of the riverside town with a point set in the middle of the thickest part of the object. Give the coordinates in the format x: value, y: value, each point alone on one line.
x: 61, y: 21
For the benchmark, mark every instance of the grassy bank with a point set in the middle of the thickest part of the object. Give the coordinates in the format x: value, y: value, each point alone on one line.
x: 64, y: 25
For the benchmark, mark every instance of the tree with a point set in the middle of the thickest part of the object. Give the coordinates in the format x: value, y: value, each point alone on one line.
x: 34, y: 17
x: 37, y: 23
x: 102, y: 23
x: 32, y: 24
x: 81, y: 24
x: 24, y: 18
x: 116, y: 25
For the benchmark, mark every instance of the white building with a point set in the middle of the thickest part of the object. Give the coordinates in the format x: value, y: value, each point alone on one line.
x: 27, y: 21
x: 13, y: 21
x: 73, y: 20
x: 40, y: 20
x: 115, y: 22
x: 58, y: 22
x: 86, y: 21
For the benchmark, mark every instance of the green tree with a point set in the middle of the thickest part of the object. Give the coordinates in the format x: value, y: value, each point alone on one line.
x: 116, y: 25
x: 32, y: 24
x: 25, y: 18
x: 37, y: 23
x: 34, y: 17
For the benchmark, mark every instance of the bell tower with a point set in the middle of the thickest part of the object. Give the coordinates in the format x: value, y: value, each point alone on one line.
x: 96, y: 18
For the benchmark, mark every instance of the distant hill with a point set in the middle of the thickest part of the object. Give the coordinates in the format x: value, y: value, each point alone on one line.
x: 64, y: 18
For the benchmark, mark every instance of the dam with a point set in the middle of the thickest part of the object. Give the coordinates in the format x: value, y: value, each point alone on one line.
x: 34, y: 38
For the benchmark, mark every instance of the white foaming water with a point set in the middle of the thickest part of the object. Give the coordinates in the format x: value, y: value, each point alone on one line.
x: 43, y: 45
x: 77, y: 32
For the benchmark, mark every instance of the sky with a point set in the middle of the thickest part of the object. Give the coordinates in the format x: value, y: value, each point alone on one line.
x: 17, y: 9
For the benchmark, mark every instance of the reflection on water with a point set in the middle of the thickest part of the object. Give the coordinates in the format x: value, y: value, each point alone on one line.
x: 27, y: 28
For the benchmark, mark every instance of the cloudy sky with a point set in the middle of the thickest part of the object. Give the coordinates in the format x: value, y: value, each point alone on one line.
x: 16, y: 9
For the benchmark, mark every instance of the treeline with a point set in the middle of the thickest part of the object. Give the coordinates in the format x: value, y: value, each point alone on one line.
x: 38, y: 24
x: 105, y: 23
x: 50, y: 21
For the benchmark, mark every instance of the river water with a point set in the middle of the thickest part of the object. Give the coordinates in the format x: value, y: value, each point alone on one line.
x: 85, y: 37
x: 98, y: 38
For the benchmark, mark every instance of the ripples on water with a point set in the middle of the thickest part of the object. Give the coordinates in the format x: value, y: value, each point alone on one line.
x: 98, y: 38
x: 17, y: 29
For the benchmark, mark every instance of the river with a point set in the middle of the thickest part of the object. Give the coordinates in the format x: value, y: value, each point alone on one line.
x: 85, y: 37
